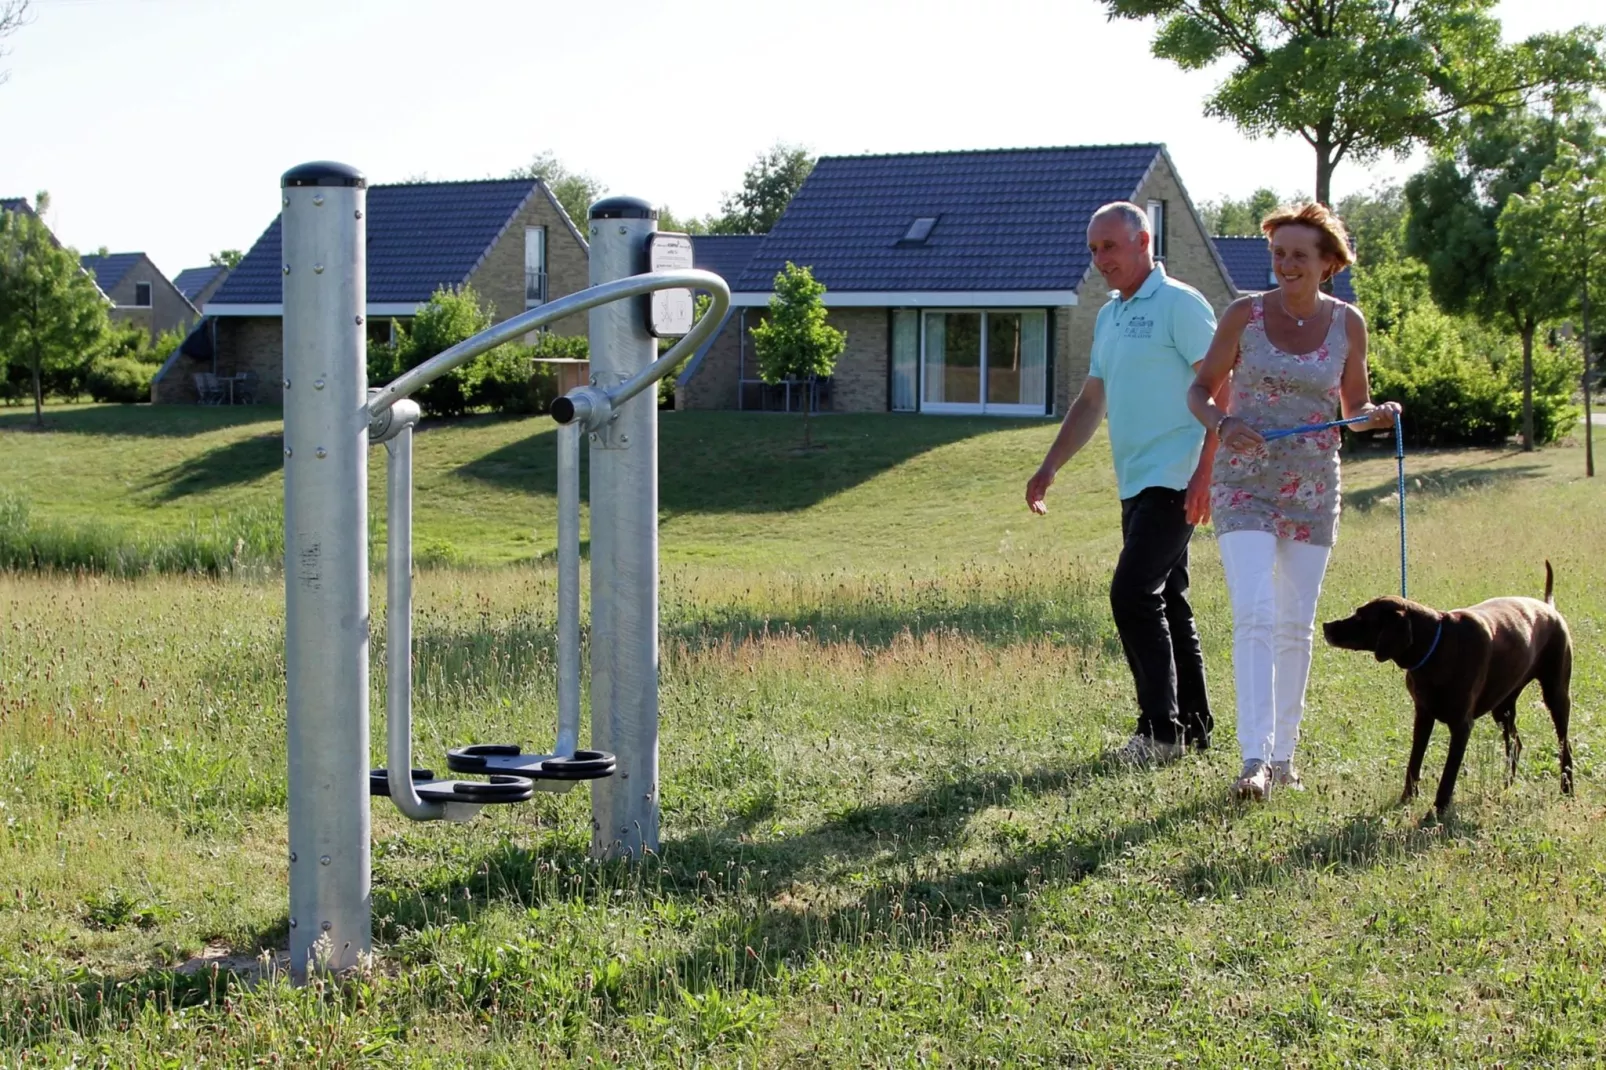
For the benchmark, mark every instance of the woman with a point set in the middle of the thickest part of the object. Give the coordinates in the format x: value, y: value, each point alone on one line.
x: 1293, y: 355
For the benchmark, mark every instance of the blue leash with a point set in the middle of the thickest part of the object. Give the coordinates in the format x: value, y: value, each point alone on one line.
x: 1399, y: 464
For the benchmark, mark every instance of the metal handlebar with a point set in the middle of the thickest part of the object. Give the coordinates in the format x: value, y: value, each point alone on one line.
x: 596, y: 402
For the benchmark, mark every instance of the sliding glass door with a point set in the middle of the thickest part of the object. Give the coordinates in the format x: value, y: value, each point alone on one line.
x: 984, y: 362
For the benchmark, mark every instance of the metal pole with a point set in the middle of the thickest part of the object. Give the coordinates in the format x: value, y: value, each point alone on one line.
x: 568, y: 589
x: 624, y: 545
x: 326, y: 564
x: 1589, y: 417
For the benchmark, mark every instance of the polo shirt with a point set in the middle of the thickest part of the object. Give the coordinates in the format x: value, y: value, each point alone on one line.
x: 1145, y: 350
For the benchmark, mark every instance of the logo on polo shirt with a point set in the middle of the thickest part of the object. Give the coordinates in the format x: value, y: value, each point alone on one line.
x: 1138, y: 327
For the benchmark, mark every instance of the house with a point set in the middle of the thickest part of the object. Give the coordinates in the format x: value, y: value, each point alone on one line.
x: 139, y: 292
x: 1249, y: 262
x: 508, y: 238
x: 962, y: 279
x: 198, y: 284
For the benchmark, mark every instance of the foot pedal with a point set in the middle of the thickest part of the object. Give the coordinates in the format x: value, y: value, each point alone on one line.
x: 510, y: 760
x: 499, y: 789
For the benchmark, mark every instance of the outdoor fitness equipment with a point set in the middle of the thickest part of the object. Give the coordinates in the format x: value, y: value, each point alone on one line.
x: 331, y: 417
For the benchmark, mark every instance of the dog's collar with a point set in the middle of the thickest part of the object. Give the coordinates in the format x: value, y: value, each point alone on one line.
x: 1438, y: 633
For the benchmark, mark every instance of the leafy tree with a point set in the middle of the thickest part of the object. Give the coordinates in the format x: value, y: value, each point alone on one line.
x: 1360, y: 78
x: 795, y: 342
x: 667, y: 220
x: 1229, y: 218
x: 452, y: 315
x: 574, y: 190
x: 229, y: 258
x: 13, y: 14
x: 1454, y: 226
x: 767, y: 188
x: 51, y: 314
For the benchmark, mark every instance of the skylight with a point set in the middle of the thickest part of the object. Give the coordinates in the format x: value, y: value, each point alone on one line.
x: 919, y: 230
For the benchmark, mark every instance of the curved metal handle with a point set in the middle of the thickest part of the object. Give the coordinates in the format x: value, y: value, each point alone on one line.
x: 409, y: 382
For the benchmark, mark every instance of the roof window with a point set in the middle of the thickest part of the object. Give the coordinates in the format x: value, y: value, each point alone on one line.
x: 918, y: 231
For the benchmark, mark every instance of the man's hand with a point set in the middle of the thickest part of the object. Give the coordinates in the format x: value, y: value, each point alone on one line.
x: 1197, y: 501
x: 1038, y: 486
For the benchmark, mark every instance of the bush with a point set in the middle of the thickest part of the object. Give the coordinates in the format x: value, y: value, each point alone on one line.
x: 1461, y: 384
x: 452, y: 316
x: 121, y: 380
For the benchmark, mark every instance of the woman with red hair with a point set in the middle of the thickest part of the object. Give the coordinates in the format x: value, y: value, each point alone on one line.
x: 1294, y: 355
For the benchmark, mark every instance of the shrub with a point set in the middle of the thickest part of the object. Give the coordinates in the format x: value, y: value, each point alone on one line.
x: 452, y: 316
x: 121, y: 380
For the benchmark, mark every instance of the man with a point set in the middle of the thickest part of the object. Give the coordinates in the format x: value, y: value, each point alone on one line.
x: 1147, y: 342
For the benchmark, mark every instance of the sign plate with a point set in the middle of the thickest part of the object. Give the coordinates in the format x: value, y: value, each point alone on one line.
x: 670, y: 311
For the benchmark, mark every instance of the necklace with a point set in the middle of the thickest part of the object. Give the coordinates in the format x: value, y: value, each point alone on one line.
x: 1298, y: 320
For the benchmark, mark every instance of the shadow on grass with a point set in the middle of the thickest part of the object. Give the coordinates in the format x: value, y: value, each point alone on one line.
x: 1362, y: 842
x: 140, y: 421
x: 243, y: 461
x: 731, y: 462
x: 1439, y: 482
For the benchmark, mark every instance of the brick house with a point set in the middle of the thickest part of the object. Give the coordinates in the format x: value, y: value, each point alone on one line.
x: 963, y: 279
x: 139, y: 292
x: 508, y: 238
x: 1249, y: 262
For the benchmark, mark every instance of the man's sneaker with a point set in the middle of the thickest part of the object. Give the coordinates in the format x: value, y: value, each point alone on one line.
x: 1146, y: 750
x: 1284, y: 775
x: 1254, y: 782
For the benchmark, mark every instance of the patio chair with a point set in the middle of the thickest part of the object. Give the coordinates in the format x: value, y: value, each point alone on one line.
x: 245, y: 388
x: 209, y: 390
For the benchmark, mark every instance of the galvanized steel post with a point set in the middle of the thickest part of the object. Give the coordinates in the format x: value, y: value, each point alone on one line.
x: 326, y: 564
x: 624, y: 544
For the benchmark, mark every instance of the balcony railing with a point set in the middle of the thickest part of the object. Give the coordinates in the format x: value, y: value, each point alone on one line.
x: 534, y: 288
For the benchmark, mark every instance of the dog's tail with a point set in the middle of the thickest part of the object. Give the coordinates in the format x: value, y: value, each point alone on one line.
x: 1550, y: 582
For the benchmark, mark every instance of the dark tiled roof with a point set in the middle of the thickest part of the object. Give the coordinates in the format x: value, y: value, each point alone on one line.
x: 420, y: 237
x: 1249, y: 261
x: 110, y: 269
x: 726, y: 255
x: 15, y: 204
x: 191, y: 281
x: 1009, y: 219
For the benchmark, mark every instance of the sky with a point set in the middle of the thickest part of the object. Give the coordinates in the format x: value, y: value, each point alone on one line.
x: 163, y: 126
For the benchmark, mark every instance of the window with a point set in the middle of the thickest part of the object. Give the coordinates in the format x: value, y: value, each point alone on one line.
x: 142, y: 295
x: 918, y: 231
x: 987, y: 362
x: 534, y: 266
x: 1157, y: 228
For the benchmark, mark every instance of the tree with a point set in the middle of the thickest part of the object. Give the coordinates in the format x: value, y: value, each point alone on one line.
x: 667, y: 220
x: 13, y: 15
x: 452, y: 315
x: 1228, y: 218
x: 1543, y: 253
x: 1454, y: 225
x: 1360, y: 78
x: 51, y: 315
x: 767, y: 188
x: 577, y: 192
x: 795, y: 342
x: 228, y: 258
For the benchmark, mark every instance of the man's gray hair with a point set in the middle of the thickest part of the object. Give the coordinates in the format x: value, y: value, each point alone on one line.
x: 1130, y: 214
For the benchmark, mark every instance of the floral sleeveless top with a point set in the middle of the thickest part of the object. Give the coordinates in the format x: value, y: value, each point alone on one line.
x: 1289, y: 486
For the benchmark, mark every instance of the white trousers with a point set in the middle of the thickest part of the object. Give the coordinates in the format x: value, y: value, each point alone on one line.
x: 1273, y: 585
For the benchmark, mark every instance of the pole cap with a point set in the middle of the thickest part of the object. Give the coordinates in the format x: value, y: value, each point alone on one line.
x: 323, y: 173
x: 623, y: 208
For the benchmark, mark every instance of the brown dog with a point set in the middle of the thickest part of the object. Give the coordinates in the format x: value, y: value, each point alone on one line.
x: 1465, y: 663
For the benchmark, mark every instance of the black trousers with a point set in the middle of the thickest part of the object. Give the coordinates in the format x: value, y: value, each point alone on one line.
x: 1149, y: 599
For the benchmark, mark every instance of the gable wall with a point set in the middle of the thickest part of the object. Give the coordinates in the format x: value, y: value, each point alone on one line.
x: 500, y: 276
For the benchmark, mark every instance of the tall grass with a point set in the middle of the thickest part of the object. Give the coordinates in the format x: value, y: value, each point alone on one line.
x: 248, y: 542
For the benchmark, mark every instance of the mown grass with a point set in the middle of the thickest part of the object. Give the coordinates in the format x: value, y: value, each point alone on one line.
x: 890, y: 838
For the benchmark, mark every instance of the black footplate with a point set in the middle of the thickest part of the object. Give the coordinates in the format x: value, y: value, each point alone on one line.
x: 509, y: 759
x: 499, y: 789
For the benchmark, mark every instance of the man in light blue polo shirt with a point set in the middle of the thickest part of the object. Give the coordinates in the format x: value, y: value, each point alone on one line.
x: 1147, y: 341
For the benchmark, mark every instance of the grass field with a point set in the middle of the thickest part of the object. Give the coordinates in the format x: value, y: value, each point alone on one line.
x: 889, y: 838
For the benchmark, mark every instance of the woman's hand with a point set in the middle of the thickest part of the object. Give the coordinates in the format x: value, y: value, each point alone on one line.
x: 1382, y: 417
x: 1237, y: 435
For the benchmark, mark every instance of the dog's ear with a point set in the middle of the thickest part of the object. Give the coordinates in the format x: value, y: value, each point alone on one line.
x: 1394, y: 634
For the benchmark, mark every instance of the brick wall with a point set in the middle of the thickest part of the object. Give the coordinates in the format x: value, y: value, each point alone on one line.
x: 244, y: 343
x: 713, y: 385
x: 859, y: 383
x: 500, y: 276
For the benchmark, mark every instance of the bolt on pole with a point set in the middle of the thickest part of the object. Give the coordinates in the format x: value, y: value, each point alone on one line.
x: 624, y: 544
x: 326, y: 565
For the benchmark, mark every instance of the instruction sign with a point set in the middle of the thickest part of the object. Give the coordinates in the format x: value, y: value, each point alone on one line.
x: 670, y: 311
